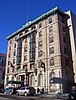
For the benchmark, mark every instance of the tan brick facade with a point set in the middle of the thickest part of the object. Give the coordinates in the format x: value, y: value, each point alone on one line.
x: 44, y: 40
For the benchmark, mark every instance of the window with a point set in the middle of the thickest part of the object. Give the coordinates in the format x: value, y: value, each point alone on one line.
x: 50, y: 29
x: 51, y: 50
x: 8, y: 70
x: 40, y: 53
x: 13, y: 61
x: 25, y: 39
x: 51, y: 61
x: 40, y: 33
x: 32, y: 65
x: 9, y: 56
x: 64, y: 39
x: 10, y: 48
x: 10, y: 41
x: 65, y: 50
x: 66, y: 61
x: 63, y: 29
x: 32, y: 80
x: 40, y: 25
x: 40, y: 43
x: 26, y: 30
x: 40, y: 80
x: 25, y: 66
x: 25, y: 57
x: 8, y: 62
x: 15, y: 45
x: 12, y: 69
x: 63, y: 20
x: 50, y: 20
x: 14, y: 53
x: 33, y: 27
x: 51, y: 39
x: 25, y: 49
x: 20, y: 34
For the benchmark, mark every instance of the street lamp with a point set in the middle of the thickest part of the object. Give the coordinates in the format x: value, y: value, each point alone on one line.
x: 42, y: 64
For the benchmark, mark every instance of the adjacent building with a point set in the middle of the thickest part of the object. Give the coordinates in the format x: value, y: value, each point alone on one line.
x: 72, y: 30
x: 2, y: 67
x: 45, y: 39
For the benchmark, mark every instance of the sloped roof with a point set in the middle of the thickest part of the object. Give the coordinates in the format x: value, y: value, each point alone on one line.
x: 36, y: 20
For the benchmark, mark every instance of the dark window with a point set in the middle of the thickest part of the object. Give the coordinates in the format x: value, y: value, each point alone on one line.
x: 40, y: 33
x: 63, y: 21
x: 13, y: 61
x: 10, y: 41
x: 12, y: 69
x: 25, y: 66
x: 19, y: 51
x: 51, y: 61
x: 65, y: 50
x: 32, y: 47
x: 15, y: 45
x: 25, y: 57
x: 50, y: 29
x: 26, y: 40
x: 66, y: 61
x: 8, y: 62
x: 50, y: 20
x: 8, y: 70
x: 51, y: 50
x: 14, y: 53
x: 40, y: 53
x: 63, y: 29
x: 40, y: 43
x: 9, y: 56
x: 64, y: 39
x: 25, y: 49
x: 51, y: 39
x: 26, y: 30
x: 10, y: 48
x: 33, y: 27
x: 20, y: 34
x: 32, y: 66
x: 40, y: 25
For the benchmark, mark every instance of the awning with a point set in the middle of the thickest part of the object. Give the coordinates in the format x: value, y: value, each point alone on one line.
x: 62, y: 81
x: 15, y: 82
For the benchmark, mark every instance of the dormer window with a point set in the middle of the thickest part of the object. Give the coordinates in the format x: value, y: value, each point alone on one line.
x: 50, y: 20
x: 40, y: 25
x: 33, y: 27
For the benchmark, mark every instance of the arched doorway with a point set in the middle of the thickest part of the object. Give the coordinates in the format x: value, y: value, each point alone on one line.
x: 32, y: 80
x: 40, y: 80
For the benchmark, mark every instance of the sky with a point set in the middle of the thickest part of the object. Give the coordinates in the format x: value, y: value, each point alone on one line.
x: 15, y: 13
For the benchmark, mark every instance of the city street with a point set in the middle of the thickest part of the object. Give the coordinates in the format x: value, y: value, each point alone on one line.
x: 14, y: 97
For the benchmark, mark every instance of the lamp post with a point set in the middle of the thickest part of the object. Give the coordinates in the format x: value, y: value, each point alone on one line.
x: 42, y: 64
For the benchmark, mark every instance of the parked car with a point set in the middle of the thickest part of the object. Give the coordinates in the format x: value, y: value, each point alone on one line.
x: 72, y: 95
x: 26, y: 90
x: 10, y: 90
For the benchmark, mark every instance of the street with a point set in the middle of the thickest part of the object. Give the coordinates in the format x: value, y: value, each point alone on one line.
x: 14, y: 97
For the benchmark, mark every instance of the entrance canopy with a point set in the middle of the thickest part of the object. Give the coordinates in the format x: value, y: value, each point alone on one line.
x: 62, y: 81
x: 15, y: 82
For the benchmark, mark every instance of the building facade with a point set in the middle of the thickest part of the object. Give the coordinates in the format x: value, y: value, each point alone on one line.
x: 72, y: 30
x: 43, y: 39
x: 2, y: 67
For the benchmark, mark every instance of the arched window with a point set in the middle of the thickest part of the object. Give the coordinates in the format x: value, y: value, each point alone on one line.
x: 40, y: 80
